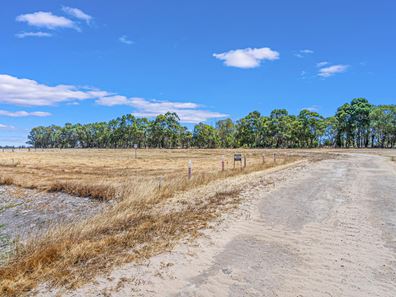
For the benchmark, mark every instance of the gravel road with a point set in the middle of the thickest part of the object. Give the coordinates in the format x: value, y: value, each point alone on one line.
x: 324, y: 229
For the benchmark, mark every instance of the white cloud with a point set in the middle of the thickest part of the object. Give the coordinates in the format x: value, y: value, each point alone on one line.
x: 331, y: 70
x: 321, y: 64
x: 303, y: 53
x: 27, y: 92
x: 6, y: 127
x: 303, y: 74
x: 248, y: 57
x: 188, y: 112
x: 124, y: 39
x: 77, y: 13
x: 22, y: 113
x: 313, y: 108
x: 113, y: 100
x: 46, y: 20
x: 33, y: 34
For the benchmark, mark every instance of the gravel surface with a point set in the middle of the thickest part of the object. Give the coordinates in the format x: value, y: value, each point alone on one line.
x: 24, y: 213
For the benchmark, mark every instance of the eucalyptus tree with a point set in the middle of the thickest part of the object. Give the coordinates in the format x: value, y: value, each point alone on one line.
x: 312, y: 126
x: 383, y: 126
x: 205, y: 136
x: 248, y: 130
x: 357, y: 124
x: 164, y: 131
x: 280, y: 128
x: 226, y: 132
x: 330, y: 131
x: 361, y: 109
x: 186, y: 137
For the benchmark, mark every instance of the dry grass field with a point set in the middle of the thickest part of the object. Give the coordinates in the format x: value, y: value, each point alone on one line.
x: 142, y: 221
x: 106, y: 173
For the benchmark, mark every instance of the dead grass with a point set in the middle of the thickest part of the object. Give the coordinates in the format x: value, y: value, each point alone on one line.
x: 139, y: 225
x: 104, y: 173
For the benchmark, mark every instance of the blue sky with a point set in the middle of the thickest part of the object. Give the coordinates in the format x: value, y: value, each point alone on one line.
x: 85, y: 61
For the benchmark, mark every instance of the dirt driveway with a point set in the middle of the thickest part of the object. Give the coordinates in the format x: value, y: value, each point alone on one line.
x: 324, y: 229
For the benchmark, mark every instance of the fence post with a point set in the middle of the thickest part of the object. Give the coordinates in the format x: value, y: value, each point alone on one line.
x: 274, y: 158
x: 189, y: 169
x: 263, y: 159
x: 222, y: 163
x: 135, y: 146
x: 244, y: 161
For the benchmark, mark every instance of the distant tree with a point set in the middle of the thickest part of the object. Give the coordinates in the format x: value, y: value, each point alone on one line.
x: 280, y: 127
x: 361, y: 109
x: 226, y: 132
x: 355, y: 124
x: 164, y: 131
x: 330, y: 131
x: 248, y: 130
x: 312, y: 127
x: 383, y: 126
x: 205, y: 136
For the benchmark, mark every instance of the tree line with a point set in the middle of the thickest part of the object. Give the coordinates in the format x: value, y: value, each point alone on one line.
x: 355, y: 124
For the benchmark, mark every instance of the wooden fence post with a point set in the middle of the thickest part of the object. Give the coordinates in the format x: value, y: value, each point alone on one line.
x: 189, y: 169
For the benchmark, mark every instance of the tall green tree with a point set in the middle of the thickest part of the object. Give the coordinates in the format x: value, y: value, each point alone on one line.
x: 312, y: 126
x: 248, y: 130
x: 226, y: 132
x: 205, y: 136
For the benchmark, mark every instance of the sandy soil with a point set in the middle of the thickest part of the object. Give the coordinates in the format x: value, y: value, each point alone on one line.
x: 27, y: 213
x: 321, y: 229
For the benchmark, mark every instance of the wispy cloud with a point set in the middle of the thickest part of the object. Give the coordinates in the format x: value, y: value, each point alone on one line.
x: 33, y: 34
x: 302, y: 53
x: 46, y: 20
x: 22, y: 113
x: 321, y: 64
x: 6, y: 127
x: 124, y: 39
x: 27, y: 92
x: 78, y: 14
x: 303, y: 74
x: 313, y: 108
x: 331, y: 70
x: 248, y: 57
x: 188, y: 112
x: 306, y: 51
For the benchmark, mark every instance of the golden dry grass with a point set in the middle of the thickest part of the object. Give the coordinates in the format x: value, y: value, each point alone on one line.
x: 104, y: 173
x: 141, y: 223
